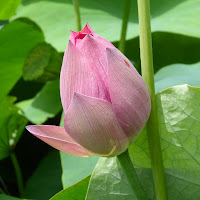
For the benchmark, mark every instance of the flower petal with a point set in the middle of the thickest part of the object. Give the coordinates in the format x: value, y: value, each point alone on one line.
x: 72, y: 36
x: 88, y: 30
x: 92, y: 123
x: 105, y: 42
x: 77, y: 75
x: 129, y: 96
x: 95, y: 52
x: 76, y: 37
x: 58, y: 138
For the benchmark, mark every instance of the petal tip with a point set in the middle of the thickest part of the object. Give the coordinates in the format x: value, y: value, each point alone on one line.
x: 70, y: 42
x: 29, y: 127
x: 110, y: 52
x: 71, y: 46
x: 87, y: 29
x: 72, y: 36
x: 77, y: 97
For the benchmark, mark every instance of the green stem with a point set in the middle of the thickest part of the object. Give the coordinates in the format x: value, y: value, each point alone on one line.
x: 77, y: 14
x: 148, y: 76
x: 131, y: 175
x: 4, y: 189
x: 17, y: 172
x: 127, y: 5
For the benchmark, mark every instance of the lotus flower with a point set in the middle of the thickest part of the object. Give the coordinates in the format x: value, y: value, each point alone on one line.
x: 105, y: 100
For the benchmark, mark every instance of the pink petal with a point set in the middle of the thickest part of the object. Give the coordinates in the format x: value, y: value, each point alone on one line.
x: 77, y: 75
x: 105, y: 42
x: 92, y: 123
x: 129, y: 95
x: 58, y: 138
x: 95, y: 53
x: 76, y: 37
x: 88, y: 30
x: 72, y: 36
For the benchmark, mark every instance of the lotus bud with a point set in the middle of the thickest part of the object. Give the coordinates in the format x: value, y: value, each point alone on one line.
x: 105, y: 100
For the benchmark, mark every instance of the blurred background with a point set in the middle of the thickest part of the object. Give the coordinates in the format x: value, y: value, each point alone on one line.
x: 33, y: 37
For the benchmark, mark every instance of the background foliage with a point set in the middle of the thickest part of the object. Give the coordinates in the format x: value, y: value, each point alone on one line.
x: 33, y: 37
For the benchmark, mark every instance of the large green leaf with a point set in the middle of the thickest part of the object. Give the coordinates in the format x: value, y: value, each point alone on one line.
x: 177, y: 74
x: 75, y: 192
x: 11, y: 126
x: 46, y: 104
x: 76, y: 168
x: 8, y: 8
x: 177, y: 16
x: 168, y: 48
x: 46, y: 180
x: 178, y: 111
x: 109, y: 182
x: 16, y: 39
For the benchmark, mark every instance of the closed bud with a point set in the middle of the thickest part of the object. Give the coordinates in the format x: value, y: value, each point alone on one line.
x: 105, y: 100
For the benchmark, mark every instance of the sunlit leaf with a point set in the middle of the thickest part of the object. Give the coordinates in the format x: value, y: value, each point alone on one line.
x: 177, y: 74
x: 16, y: 39
x: 109, y: 182
x: 178, y: 111
x: 75, y: 192
x: 76, y: 168
x: 46, y: 104
x: 8, y: 8
x: 168, y: 48
x: 106, y: 17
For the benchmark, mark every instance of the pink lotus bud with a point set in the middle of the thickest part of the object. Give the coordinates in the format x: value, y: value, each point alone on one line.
x: 105, y: 100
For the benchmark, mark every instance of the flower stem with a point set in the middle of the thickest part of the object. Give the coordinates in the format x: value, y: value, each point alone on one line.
x: 4, y: 189
x: 127, y: 5
x: 131, y: 175
x: 17, y: 172
x: 148, y: 76
x: 77, y: 14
